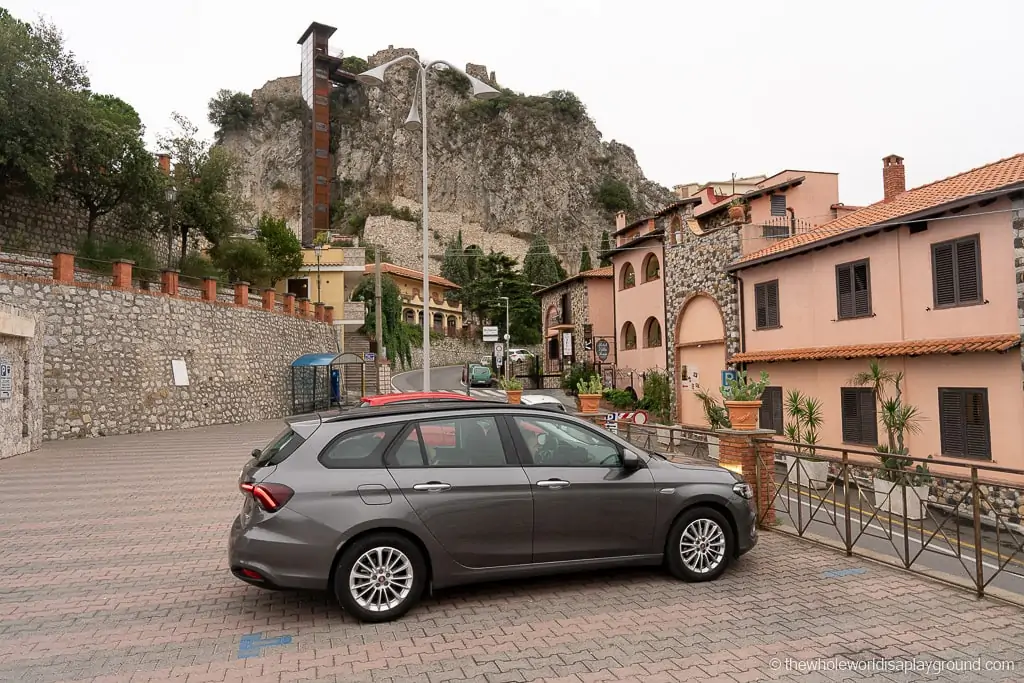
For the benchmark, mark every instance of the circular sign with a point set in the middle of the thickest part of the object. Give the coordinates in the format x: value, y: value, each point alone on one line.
x: 640, y: 417
x: 603, y: 348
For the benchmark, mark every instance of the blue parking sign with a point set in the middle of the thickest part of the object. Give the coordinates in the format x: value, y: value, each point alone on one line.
x: 728, y: 376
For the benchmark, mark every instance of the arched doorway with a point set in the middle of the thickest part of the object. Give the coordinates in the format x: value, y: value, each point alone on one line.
x: 699, y: 355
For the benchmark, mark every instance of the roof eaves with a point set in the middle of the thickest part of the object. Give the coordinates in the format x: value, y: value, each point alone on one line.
x: 658, y: 232
x: 894, y: 222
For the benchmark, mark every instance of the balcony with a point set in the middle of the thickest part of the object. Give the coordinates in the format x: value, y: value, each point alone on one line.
x: 781, y: 227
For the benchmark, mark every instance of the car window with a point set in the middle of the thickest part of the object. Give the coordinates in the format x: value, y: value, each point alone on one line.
x: 283, y: 445
x: 359, y: 449
x: 555, y: 443
x: 455, y: 442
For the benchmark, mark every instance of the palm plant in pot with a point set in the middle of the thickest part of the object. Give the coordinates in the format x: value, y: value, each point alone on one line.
x: 513, y: 389
x: 589, y: 392
x: 717, y: 417
x: 899, y: 478
x: 743, y: 399
x: 805, y: 413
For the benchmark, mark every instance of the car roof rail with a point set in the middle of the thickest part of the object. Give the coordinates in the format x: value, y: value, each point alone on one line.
x: 413, y: 408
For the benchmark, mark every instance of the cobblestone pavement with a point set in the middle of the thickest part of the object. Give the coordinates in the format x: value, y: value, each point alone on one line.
x: 113, y: 569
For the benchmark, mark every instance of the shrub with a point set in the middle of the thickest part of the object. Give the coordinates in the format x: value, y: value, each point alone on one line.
x: 620, y: 398
x: 99, y: 256
x: 242, y: 260
x: 510, y: 384
x: 590, y: 385
x: 614, y: 195
x: 576, y: 373
x: 657, y: 398
x: 230, y: 111
x: 455, y: 81
x: 354, y: 65
x: 197, y: 265
x: 740, y: 388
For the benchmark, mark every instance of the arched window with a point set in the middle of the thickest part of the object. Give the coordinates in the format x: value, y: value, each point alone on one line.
x: 408, y: 316
x: 628, y: 278
x: 652, y: 332
x: 628, y: 336
x: 652, y: 268
x: 675, y: 230
x: 421, y: 318
x: 438, y: 321
x: 451, y: 324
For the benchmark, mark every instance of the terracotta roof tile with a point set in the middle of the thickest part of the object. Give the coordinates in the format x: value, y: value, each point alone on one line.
x: 1001, y: 342
x: 410, y: 273
x: 607, y: 271
x: 987, y: 178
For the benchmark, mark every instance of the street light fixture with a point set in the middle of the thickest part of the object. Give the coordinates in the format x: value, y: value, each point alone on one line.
x: 318, y: 249
x: 416, y: 121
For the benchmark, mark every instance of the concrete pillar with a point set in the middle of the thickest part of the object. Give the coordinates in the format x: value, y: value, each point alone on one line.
x: 209, y: 289
x: 318, y: 312
x: 303, y: 307
x: 242, y: 294
x: 64, y: 266
x: 329, y: 315
x: 289, y: 303
x: 123, y: 274
x: 751, y: 454
x: 169, y: 282
x: 269, y: 299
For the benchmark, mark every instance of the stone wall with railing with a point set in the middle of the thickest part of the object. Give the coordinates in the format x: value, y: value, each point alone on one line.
x: 118, y: 359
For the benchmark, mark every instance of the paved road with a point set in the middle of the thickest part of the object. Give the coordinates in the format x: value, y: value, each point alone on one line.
x: 817, y: 513
x: 449, y: 378
x: 114, y: 569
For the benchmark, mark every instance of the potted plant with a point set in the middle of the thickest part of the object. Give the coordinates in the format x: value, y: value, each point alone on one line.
x: 589, y: 391
x: 736, y: 210
x: 805, y: 414
x: 743, y: 400
x: 513, y: 389
x: 897, y: 472
x: 716, y: 416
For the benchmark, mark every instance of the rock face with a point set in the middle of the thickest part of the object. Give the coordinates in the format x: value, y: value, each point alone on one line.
x: 515, y: 165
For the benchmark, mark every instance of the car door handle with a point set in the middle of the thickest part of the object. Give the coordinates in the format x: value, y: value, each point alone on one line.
x: 553, y: 483
x: 432, y: 487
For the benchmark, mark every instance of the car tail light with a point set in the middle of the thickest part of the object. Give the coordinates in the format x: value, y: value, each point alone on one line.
x: 270, y: 497
x: 249, y: 573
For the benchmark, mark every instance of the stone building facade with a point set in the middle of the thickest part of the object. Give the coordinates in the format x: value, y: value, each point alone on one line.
x: 695, y: 275
x: 584, y: 306
x: 21, y: 368
x: 106, y: 357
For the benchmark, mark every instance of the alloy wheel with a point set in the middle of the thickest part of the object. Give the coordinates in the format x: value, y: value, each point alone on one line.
x: 381, y: 579
x: 702, y: 546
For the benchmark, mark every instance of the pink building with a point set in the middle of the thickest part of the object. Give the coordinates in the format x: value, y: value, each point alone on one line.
x: 578, y: 317
x: 925, y: 280
x: 638, y: 261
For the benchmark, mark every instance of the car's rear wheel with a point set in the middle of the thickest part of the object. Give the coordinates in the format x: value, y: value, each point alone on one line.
x: 380, y: 577
x: 700, y: 545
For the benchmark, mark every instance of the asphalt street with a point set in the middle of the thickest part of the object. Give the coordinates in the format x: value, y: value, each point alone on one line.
x: 449, y: 378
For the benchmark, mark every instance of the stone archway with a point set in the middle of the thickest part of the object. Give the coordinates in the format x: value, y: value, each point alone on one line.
x: 700, y: 349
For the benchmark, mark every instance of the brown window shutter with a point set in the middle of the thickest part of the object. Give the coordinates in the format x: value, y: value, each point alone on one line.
x: 943, y: 272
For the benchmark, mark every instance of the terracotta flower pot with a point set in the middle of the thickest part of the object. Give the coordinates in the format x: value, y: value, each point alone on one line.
x: 589, y: 403
x: 736, y: 213
x: 514, y: 395
x: 743, y: 414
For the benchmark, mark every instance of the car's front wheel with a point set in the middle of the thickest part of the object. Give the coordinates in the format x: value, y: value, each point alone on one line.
x: 700, y: 545
x: 380, y: 577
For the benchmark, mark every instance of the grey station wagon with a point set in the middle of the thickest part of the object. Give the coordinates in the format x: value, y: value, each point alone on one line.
x: 379, y: 505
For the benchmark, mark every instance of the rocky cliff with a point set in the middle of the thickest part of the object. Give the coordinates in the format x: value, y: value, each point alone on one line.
x: 515, y: 166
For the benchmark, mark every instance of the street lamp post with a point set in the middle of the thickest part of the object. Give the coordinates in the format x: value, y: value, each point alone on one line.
x: 318, y: 249
x: 508, y: 335
x: 413, y: 122
x: 170, y: 195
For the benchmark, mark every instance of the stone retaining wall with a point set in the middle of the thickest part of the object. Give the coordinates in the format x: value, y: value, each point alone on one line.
x: 106, y: 362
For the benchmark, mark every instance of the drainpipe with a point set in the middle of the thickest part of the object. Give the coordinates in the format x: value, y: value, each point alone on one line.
x: 742, y: 317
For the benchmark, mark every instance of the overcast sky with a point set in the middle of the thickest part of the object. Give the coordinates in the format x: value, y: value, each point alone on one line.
x: 699, y: 90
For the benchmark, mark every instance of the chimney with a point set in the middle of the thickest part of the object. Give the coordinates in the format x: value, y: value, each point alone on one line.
x: 164, y: 160
x: 894, y: 177
x: 620, y: 220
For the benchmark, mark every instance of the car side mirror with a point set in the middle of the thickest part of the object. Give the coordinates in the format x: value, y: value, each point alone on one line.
x: 256, y: 452
x: 630, y: 461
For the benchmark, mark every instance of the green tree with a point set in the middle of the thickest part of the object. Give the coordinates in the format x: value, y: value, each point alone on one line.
x: 204, y: 205
x: 107, y: 164
x: 230, y: 111
x: 454, y: 266
x: 540, y: 266
x: 242, y: 260
x: 496, y: 276
x: 284, y: 251
x: 40, y: 97
x: 395, y: 334
x: 585, y: 262
x: 614, y: 195
x: 606, y: 246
